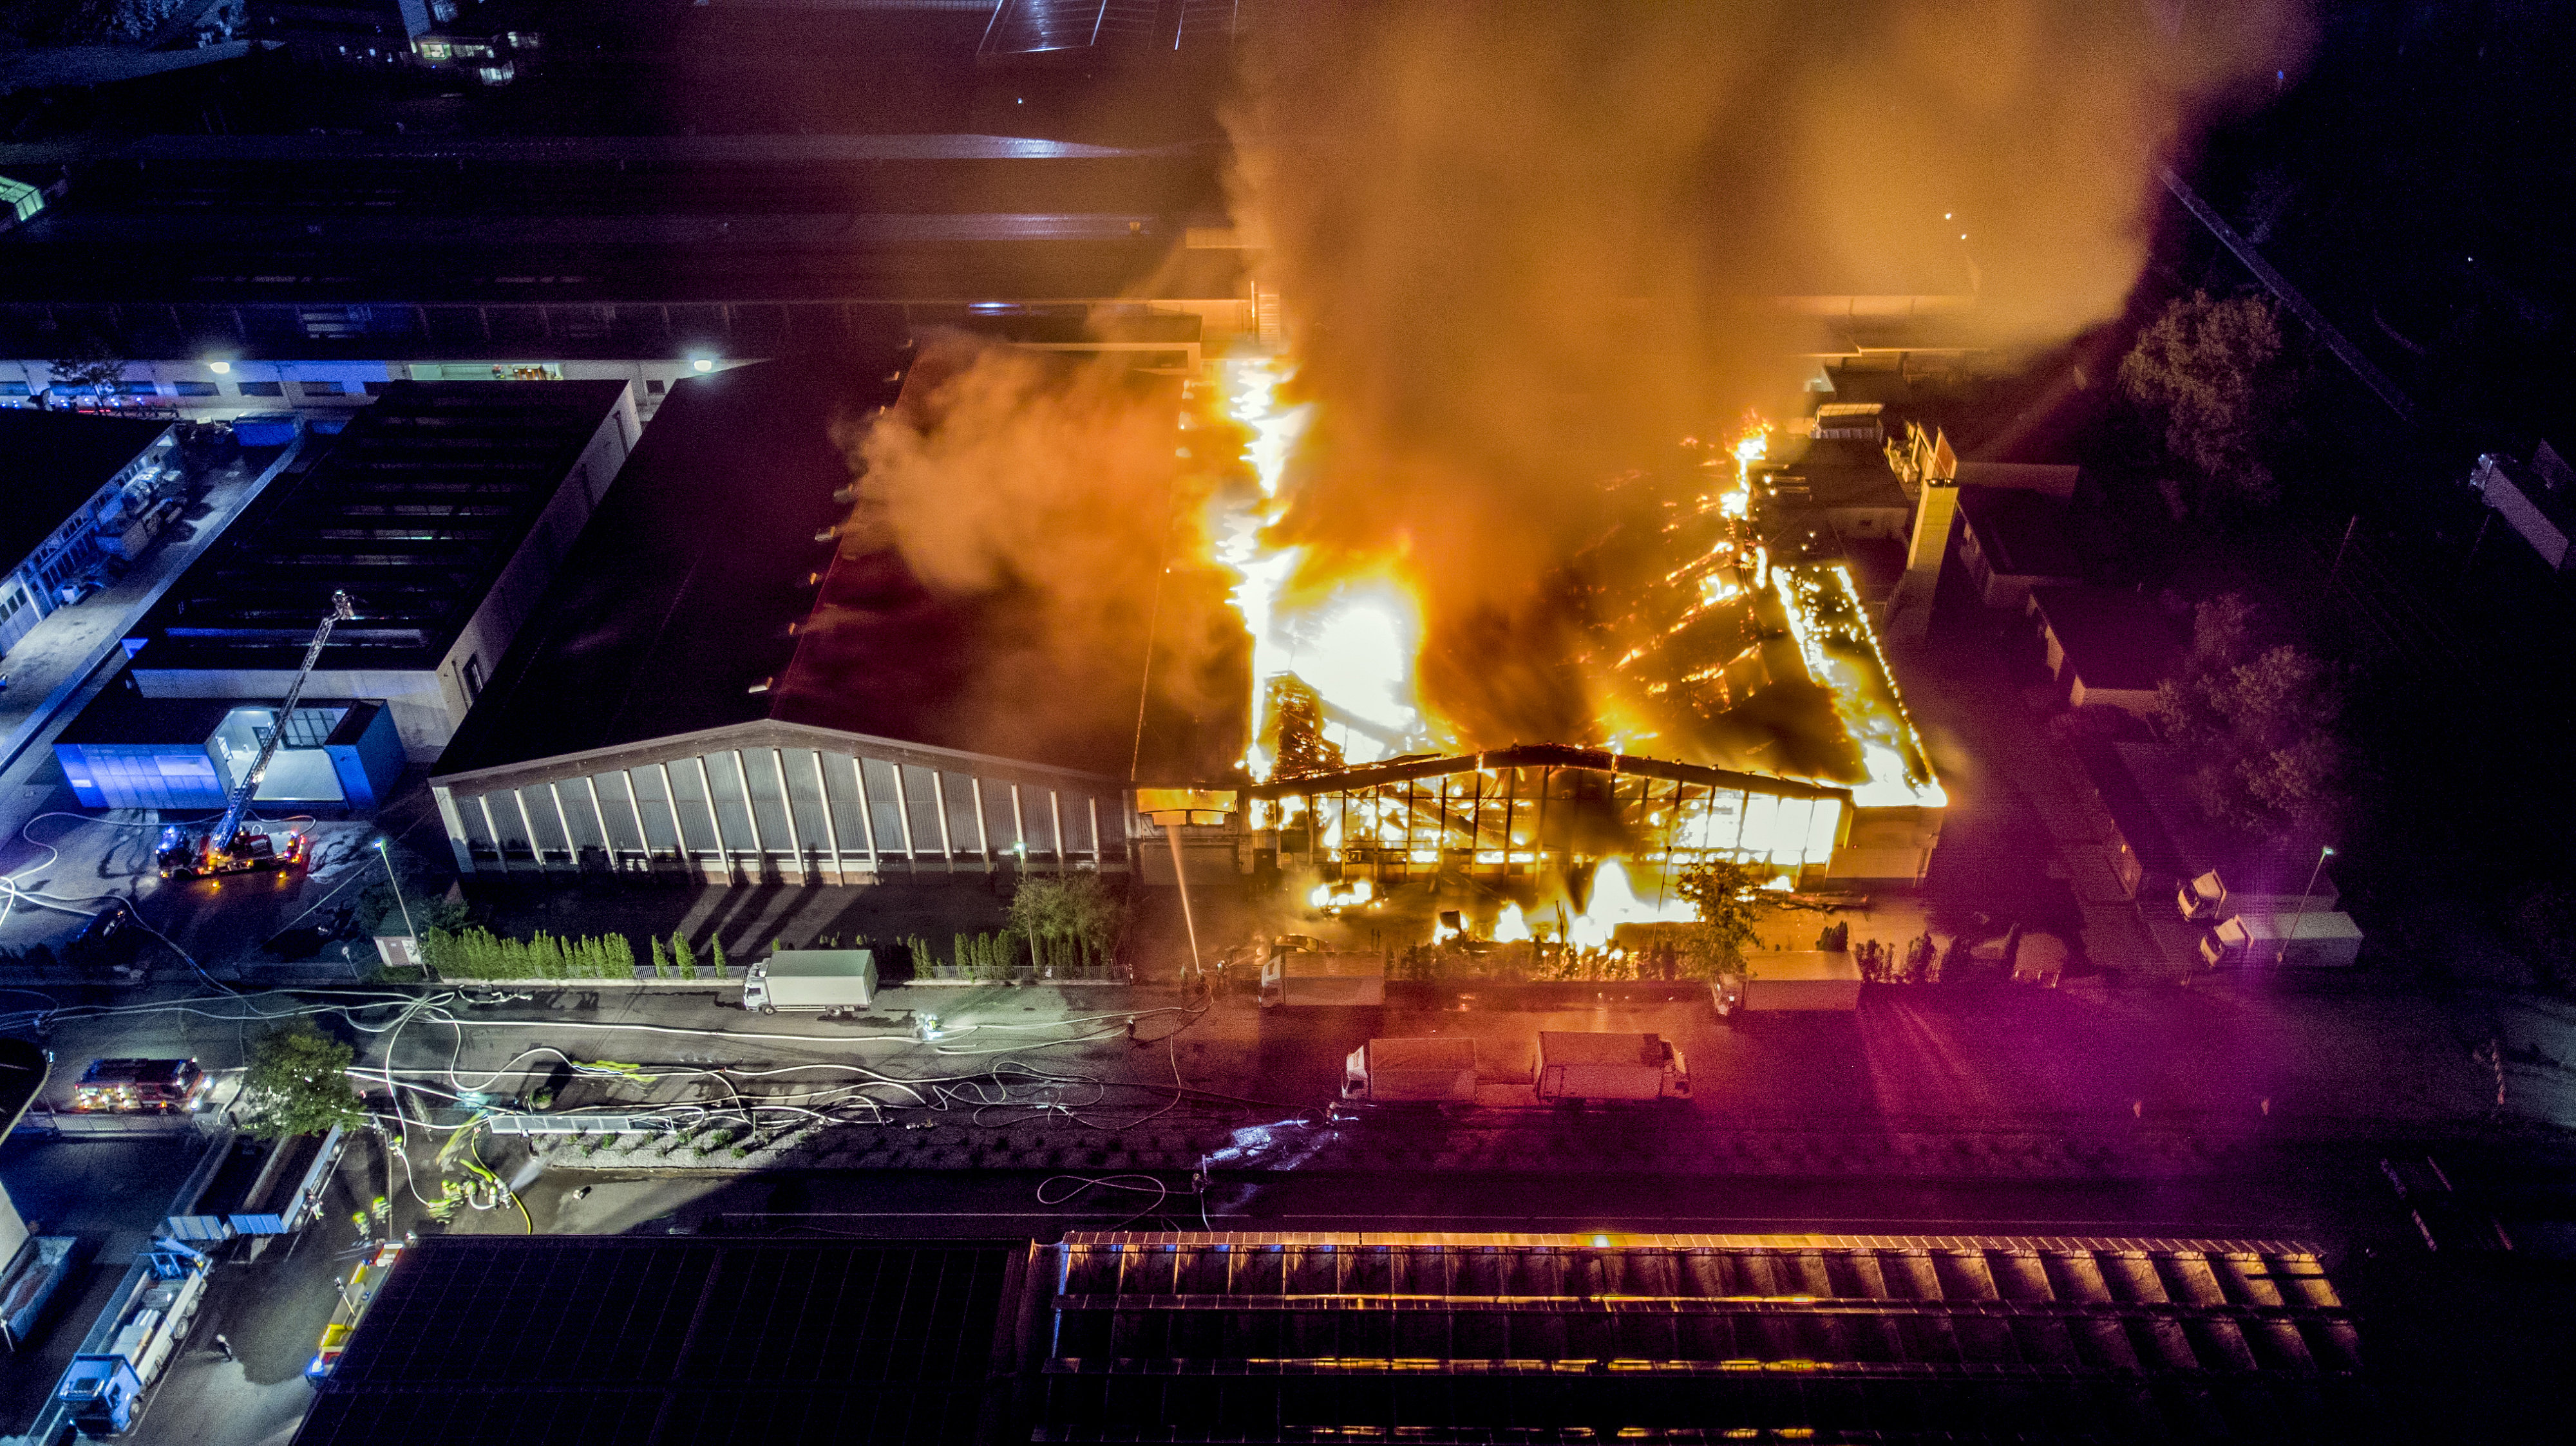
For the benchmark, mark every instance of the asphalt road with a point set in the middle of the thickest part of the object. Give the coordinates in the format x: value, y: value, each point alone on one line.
x: 2085, y: 1111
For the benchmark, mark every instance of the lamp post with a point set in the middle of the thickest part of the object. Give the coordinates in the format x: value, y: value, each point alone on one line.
x: 2301, y: 916
x: 1020, y: 853
x: 394, y: 879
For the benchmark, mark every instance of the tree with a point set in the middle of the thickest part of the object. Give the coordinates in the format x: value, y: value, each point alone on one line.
x: 1070, y: 919
x: 2219, y: 375
x: 91, y: 367
x: 684, y: 956
x: 2257, y: 727
x: 1727, y: 896
x: 298, y: 1084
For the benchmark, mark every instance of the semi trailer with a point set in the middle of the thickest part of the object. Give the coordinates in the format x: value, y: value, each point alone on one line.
x: 1813, y: 979
x: 29, y: 1285
x: 1575, y: 1067
x: 1298, y: 969
x: 110, y: 1380
x: 2208, y: 900
x: 2296, y: 940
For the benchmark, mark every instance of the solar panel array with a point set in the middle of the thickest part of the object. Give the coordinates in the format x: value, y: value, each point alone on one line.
x: 1495, y: 1338
x: 1184, y: 1338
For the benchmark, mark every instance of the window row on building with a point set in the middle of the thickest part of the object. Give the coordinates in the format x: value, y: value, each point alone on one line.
x: 801, y: 815
x: 1516, y: 820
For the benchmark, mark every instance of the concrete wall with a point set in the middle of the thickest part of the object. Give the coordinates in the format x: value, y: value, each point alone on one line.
x: 522, y: 582
x: 420, y: 713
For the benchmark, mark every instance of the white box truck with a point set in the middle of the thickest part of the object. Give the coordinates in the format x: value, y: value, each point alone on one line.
x: 1791, y: 980
x: 811, y: 980
x: 1298, y: 969
x: 1576, y: 1067
x: 2294, y: 941
x: 1436, y: 1069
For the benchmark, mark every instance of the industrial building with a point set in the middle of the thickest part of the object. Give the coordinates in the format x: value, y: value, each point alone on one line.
x: 129, y: 751
x: 1252, y: 1337
x: 443, y: 510
x: 67, y: 493
x: 2106, y: 646
x: 715, y: 687
x: 2012, y: 540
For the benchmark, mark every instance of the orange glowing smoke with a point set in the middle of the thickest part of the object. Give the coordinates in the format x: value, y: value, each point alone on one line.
x: 1525, y: 246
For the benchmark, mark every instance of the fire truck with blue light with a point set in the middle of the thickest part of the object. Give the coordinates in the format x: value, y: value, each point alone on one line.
x: 228, y: 848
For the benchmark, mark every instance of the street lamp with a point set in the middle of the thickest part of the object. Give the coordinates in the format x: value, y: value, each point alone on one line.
x: 2301, y: 916
x: 394, y: 879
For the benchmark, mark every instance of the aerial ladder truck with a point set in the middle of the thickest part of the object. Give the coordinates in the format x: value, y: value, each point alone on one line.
x: 228, y: 848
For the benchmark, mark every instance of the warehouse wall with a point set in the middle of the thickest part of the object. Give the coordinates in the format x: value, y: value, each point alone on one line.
x: 751, y: 813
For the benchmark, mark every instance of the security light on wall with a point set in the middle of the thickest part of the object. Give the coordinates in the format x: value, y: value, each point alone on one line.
x: 220, y: 368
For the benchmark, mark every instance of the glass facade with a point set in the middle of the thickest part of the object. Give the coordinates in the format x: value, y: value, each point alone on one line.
x: 800, y: 814
x: 1496, y: 816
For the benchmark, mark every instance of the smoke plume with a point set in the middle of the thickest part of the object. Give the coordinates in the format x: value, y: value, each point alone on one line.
x: 1523, y: 245
x: 1024, y: 532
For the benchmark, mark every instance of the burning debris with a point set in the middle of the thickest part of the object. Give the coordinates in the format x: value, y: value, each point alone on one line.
x: 1742, y: 711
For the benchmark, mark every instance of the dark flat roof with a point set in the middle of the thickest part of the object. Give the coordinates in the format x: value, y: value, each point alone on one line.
x: 668, y: 220
x: 2112, y: 638
x: 1190, y: 1337
x: 678, y: 595
x: 2023, y: 533
x: 705, y: 1341
x: 681, y: 595
x: 414, y: 510
x: 1839, y: 473
x: 51, y: 462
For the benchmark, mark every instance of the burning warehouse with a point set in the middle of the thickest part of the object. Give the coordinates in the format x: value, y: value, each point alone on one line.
x: 835, y: 625
x: 1739, y: 709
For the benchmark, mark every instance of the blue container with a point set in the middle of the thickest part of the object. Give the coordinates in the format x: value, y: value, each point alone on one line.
x: 265, y: 429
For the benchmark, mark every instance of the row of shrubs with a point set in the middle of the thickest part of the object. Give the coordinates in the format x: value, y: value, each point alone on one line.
x: 478, y: 953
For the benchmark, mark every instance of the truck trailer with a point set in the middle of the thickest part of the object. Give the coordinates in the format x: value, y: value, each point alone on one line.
x: 110, y: 1380
x: 1302, y: 970
x: 29, y: 1285
x: 1814, y: 979
x: 1573, y: 1068
x: 811, y: 980
x: 1438, y: 1069
x: 2294, y: 941
x: 2208, y: 900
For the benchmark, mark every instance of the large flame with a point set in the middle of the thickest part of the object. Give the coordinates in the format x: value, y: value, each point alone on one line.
x: 1355, y: 645
x: 1614, y: 903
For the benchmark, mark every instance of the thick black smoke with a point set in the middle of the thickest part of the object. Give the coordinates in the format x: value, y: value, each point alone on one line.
x: 1524, y: 245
